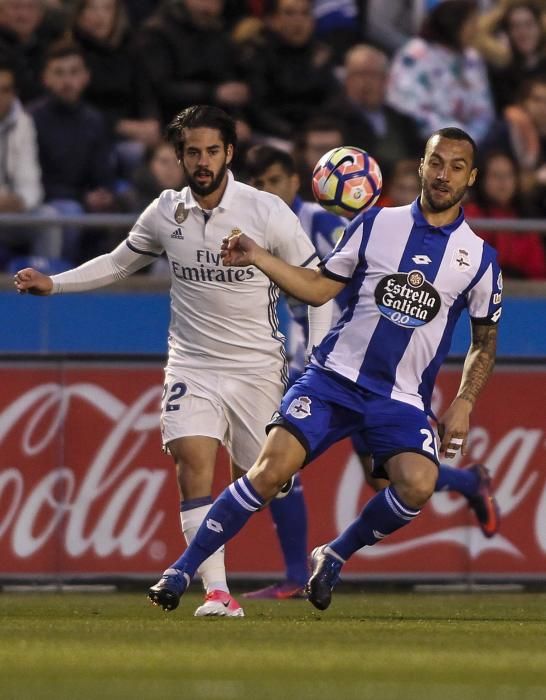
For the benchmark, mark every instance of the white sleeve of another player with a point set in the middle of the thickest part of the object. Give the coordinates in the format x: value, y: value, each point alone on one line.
x: 101, y: 271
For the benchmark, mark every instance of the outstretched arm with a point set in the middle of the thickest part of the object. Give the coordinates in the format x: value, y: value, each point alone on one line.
x: 98, y: 272
x: 310, y: 286
x: 454, y: 425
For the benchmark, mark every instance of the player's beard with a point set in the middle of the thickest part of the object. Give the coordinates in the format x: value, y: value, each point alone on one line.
x: 447, y: 203
x: 214, y: 184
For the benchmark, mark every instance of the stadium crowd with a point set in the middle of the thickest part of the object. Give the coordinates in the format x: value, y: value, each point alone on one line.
x: 88, y: 86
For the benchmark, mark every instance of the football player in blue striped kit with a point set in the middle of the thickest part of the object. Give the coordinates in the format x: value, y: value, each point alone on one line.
x: 411, y: 270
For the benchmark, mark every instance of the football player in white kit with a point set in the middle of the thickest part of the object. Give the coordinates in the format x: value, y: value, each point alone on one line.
x: 226, y: 369
x: 412, y: 271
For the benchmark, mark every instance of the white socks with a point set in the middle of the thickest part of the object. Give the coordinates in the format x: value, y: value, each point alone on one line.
x: 212, y: 570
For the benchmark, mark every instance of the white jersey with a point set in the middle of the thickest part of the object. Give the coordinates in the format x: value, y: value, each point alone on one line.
x: 222, y: 317
x: 408, y: 282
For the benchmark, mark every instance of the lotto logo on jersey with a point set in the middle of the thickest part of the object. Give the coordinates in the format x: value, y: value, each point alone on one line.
x: 407, y: 299
x: 300, y: 408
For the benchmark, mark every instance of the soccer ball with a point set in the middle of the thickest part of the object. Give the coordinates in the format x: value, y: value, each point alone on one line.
x: 346, y: 181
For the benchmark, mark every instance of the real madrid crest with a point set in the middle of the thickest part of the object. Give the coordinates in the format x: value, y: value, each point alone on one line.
x: 181, y: 213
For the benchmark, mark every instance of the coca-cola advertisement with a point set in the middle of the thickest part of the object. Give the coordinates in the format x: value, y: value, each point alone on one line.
x: 86, y: 492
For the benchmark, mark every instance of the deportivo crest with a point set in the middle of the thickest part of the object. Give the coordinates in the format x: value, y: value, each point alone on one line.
x: 460, y: 260
x: 300, y: 408
x: 407, y: 299
x: 181, y: 213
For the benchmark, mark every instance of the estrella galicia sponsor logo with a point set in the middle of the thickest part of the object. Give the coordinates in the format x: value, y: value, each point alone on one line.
x: 300, y: 408
x: 407, y: 299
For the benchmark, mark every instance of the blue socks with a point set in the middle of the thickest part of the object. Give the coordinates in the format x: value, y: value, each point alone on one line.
x: 227, y: 515
x: 463, y: 481
x: 383, y: 514
x: 290, y: 517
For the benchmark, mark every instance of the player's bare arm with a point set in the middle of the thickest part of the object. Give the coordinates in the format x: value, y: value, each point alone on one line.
x: 480, y: 360
x: 31, y: 281
x: 308, y: 285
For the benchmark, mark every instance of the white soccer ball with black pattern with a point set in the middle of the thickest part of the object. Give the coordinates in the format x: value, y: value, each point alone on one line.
x: 347, y: 181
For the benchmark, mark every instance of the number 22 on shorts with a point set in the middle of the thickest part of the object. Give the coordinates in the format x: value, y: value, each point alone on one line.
x: 173, y: 394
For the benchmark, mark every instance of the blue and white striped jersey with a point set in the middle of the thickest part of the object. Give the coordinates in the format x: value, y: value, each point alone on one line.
x: 408, y: 283
x: 324, y: 230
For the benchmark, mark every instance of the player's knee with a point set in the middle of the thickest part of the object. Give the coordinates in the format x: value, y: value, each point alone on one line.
x: 269, y: 475
x: 418, y: 494
x: 415, y: 487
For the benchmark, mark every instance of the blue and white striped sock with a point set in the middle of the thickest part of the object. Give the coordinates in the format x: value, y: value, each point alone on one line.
x: 226, y: 517
x: 383, y: 514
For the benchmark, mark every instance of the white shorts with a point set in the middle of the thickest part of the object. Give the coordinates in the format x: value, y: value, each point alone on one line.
x: 234, y: 408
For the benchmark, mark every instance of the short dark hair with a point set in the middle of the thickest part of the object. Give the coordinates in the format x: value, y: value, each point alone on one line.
x: 63, y: 49
x: 260, y: 158
x: 198, y: 116
x: 444, y: 22
x: 456, y: 134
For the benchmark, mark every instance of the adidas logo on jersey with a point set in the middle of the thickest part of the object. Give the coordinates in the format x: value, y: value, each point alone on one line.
x: 177, y: 233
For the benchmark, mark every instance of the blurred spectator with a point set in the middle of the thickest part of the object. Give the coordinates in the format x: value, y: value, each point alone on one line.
x: 521, y: 24
x: 316, y: 137
x: 161, y: 171
x: 117, y: 87
x: 20, y: 177
x: 189, y: 58
x: 498, y: 196
x: 389, y: 25
x: 521, y: 133
x: 439, y: 79
x: 27, y: 29
x: 75, y: 153
x: 338, y: 25
x: 292, y: 71
x: 367, y: 121
x: 138, y: 11
x: 403, y: 185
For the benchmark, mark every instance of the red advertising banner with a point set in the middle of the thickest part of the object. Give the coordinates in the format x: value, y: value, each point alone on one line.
x: 86, y: 492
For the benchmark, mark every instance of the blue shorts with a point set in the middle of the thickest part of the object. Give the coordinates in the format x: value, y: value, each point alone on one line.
x: 322, y: 408
x: 360, y: 446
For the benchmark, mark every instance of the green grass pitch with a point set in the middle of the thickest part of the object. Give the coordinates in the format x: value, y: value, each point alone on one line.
x: 431, y: 646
